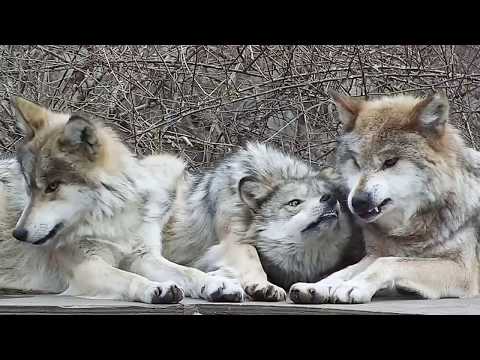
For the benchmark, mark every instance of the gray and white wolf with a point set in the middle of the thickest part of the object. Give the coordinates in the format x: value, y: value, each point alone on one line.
x: 90, y: 216
x: 414, y: 187
x: 265, y: 218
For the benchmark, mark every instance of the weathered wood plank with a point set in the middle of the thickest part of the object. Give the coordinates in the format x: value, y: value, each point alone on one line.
x: 280, y: 309
x: 51, y: 304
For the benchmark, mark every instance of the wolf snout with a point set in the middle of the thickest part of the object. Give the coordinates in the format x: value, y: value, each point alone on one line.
x: 362, y: 202
x: 20, y: 234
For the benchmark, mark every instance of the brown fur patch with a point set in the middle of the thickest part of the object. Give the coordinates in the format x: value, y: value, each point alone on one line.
x: 392, y: 122
x: 52, y: 160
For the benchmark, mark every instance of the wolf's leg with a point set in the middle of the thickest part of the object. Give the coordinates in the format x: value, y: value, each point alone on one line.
x: 195, y: 283
x: 320, y: 292
x: 431, y: 278
x: 243, y: 261
x: 95, y: 278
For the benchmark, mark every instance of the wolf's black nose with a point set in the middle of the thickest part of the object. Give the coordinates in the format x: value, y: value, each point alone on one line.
x: 20, y: 234
x: 361, y: 202
x: 329, y: 199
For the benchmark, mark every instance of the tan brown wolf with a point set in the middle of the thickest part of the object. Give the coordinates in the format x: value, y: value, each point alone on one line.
x: 415, y: 189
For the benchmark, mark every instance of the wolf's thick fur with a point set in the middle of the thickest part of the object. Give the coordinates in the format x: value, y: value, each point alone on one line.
x: 22, y: 266
x: 237, y: 217
x: 93, y: 215
x: 414, y: 188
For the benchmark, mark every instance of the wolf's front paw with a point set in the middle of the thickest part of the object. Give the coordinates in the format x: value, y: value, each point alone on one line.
x: 265, y: 291
x: 222, y: 289
x: 303, y: 293
x: 164, y: 293
x: 353, y: 292
x: 313, y: 293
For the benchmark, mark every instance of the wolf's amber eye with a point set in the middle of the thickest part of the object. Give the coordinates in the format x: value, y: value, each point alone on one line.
x: 389, y: 163
x: 294, y: 203
x: 52, y: 187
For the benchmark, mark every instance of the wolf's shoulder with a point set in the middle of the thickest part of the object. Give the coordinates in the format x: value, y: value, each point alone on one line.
x: 166, y: 169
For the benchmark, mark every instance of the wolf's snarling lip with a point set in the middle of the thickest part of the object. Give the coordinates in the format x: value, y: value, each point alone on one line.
x: 322, y: 218
x: 51, y: 234
x: 374, y: 213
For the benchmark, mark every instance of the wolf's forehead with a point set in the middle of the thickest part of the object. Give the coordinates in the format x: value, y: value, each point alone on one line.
x: 43, y: 165
x: 305, y: 187
x: 347, y: 145
x: 54, y: 168
x: 388, y: 112
x: 379, y: 143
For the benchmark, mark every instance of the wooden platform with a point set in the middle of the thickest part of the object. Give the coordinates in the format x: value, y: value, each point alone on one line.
x: 51, y: 304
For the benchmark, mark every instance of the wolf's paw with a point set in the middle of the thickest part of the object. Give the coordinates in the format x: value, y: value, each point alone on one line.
x: 353, y: 292
x: 222, y: 289
x: 265, y: 292
x: 313, y: 293
x: 304, y: 293
x: 164, y: 293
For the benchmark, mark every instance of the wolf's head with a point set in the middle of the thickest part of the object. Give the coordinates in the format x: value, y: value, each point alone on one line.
x: 292, y: 210
x: 62, y: 159
x: 394, y: 156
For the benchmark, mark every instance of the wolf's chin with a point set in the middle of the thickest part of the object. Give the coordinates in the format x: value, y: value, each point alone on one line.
x: 376, y: 213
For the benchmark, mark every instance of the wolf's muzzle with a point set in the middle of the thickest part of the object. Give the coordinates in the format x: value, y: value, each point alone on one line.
x: 50, y: 235
x: 362, y: 202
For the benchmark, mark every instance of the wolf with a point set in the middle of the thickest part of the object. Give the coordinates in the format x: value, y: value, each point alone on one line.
x: 87, y: 216
x: 413, y: 185
x: 265, y: 218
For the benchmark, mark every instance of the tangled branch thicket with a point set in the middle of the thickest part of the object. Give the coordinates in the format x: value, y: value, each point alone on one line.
x: 205, y: 101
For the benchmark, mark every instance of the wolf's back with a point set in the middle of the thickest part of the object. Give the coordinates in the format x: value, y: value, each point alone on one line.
x: 267, y: 161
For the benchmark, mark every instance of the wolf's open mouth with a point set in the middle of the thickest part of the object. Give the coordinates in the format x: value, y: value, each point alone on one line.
x: 51, y: 234
x: 322, y: 218
x: 373, y: 213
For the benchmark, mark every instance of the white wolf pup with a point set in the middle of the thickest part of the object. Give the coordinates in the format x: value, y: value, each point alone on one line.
x: 265, y: 218
x: 92, y: 216
x: 414, y: 186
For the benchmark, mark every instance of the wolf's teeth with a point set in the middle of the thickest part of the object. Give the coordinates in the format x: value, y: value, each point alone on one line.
x: 376, y: 209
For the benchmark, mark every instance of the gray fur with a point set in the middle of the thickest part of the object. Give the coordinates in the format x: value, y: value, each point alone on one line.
x: 17, y: 260
x: 89, y: 217
x: 209, y: 212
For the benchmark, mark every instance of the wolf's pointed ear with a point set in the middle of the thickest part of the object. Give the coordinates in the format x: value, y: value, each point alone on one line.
x: 80, y: 135
x: 30, y: 117
x: 347, y: 107
x: 430, y: 116
x: 252, y: 191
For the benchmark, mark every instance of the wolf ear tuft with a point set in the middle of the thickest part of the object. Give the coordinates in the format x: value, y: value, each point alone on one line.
x: 80, y: 135
x: 430, y: 116
x: 30, y: 117
x: 347, y: 107
x: 252, y: 190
